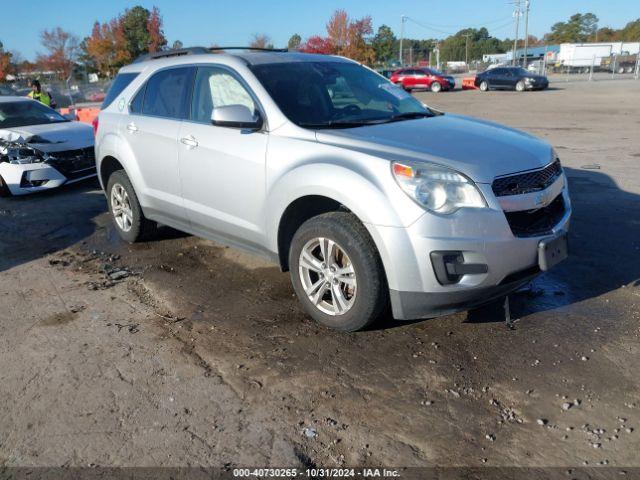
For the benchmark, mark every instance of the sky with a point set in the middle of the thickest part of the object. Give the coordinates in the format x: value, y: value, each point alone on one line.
x: 232, y: 23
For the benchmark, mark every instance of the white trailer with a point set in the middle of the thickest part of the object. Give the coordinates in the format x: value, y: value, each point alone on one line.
x: 582, y: 55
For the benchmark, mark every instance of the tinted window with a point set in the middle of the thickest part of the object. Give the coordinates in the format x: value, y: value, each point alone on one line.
x: 217, y: 87
x: 121, y: 82
x: 497, y: 71
x: 27, y: 112
x: 136, y: 103
x: 167, y: 92
x: 327, y: 94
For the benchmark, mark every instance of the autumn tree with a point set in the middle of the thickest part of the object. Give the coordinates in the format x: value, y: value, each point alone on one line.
x: 344, y: 37
x: 317, y: 44
x: 338, y: 29
x: 157, y: 39
x: 120, y: 40
x: 5, y: 63
x: 62, y: 50
x: 106, y: 47
x: 260, y: 40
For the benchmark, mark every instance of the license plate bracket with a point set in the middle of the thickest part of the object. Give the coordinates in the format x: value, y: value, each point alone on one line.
x: 552, y: 251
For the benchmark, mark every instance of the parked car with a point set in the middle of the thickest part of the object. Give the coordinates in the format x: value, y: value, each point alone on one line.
x: 422, y: 77
x: 40, y: 149
x: 371, y: 200
x: 510, y: 78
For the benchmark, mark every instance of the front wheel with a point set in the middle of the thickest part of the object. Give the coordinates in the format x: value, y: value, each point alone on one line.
x: 436, y: 87
x: 520, y: 86
x: 337, y: 273
x: 130, y: 222
x: 484, y: 86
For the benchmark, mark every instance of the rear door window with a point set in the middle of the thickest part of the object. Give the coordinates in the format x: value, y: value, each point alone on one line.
x: 121, y: 82
x: 167, y: 93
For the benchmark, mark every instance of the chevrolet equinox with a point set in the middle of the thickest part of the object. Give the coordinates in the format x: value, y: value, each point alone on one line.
x: 367, y: 196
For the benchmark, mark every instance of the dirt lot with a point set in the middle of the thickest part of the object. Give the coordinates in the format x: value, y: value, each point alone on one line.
x: 183, y: 352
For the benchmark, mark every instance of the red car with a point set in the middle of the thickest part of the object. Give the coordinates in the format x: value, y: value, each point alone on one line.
x: 422, y: 77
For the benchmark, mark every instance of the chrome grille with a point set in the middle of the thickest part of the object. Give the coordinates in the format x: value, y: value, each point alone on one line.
x: 527, y: 182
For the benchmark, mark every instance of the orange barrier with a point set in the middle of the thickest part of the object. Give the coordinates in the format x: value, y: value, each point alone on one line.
x: 468, y: 83
x: 83, y: 114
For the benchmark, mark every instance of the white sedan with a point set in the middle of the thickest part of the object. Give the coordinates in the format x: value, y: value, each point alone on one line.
x: 40, y: 149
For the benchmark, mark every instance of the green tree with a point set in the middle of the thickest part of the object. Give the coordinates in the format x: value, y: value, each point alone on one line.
x: 383, y: 44
x: 579, y: 28
x: 294, y: 42
x: 631, y: 32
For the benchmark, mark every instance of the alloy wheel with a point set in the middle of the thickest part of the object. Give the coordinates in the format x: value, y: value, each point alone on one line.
x: 327, y: 276
x: 121, y: 207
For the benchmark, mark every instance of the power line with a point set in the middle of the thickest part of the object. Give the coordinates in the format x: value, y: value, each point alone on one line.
x: 462, y: 26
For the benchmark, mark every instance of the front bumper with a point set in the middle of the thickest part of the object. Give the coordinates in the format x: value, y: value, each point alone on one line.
x: 23, y: 179
x: 483, y: 236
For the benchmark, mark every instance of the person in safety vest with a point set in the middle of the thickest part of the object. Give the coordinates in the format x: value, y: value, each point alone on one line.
x: 38, y: 94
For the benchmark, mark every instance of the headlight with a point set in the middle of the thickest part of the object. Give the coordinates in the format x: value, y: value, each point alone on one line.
x: 437, y: 188
x: 19, y: 153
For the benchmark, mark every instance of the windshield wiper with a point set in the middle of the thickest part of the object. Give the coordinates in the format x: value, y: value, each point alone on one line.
x: 408, y: 116
x: 370, y: 121
x: 338, y: 124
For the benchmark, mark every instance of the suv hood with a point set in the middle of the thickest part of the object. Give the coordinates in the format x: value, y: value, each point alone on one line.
x: 53, y: 137
x: 481, y: 150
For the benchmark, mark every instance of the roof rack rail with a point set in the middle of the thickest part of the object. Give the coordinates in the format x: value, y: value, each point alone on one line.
x: 259, y: 49
x: 199, y: 50
x: 171, y: 53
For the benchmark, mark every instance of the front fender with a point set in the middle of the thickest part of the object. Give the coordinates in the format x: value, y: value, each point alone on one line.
x: 371, y: 198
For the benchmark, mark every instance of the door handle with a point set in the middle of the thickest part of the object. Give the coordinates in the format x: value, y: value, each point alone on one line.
x: 189, y: 141
x: 132, y: 127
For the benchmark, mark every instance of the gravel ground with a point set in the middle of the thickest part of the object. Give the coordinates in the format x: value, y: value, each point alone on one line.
x: 182, y: 352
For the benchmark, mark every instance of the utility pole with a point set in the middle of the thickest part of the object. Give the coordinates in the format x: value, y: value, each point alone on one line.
x: 466, y: 50
x: 516, y: 15
x: 403, y: 19
x: 526, y: 32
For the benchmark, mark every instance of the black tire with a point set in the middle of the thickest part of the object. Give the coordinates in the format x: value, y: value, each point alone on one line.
x: 141, y: 228
x: 4, y: 190
x: 436, y: 87
x: 484, y: 86
x: 372, y: 296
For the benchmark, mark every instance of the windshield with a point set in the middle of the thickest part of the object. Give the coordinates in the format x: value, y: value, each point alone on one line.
x: 520, y: 71
x: 336, y: 94
x: 25, y: 112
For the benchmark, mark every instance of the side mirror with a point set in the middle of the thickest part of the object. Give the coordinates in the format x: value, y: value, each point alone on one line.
x: 235, y: 116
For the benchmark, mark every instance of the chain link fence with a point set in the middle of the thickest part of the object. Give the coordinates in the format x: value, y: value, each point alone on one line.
x: 64, y: 93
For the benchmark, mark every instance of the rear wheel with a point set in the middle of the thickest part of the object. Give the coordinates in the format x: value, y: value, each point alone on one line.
x: 4, y: 190
x: 436, y: 87
x: 484, y: 86
x: 337, y: 273
x: 520, y: 86
x: 130, y: 222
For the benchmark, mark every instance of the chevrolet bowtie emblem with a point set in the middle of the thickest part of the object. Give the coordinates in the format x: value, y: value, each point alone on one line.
x: 542, y: 199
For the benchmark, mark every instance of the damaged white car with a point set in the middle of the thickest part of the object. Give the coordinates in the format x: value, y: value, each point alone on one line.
x: 41, y: 149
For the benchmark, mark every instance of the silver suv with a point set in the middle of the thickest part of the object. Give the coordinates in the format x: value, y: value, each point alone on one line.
x: 368, y: 197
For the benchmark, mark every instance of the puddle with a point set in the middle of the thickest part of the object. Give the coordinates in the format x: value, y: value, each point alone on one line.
x: 57, y: 319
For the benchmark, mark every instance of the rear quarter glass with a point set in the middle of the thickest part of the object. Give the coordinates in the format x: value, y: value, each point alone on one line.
x: 121, y: 82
